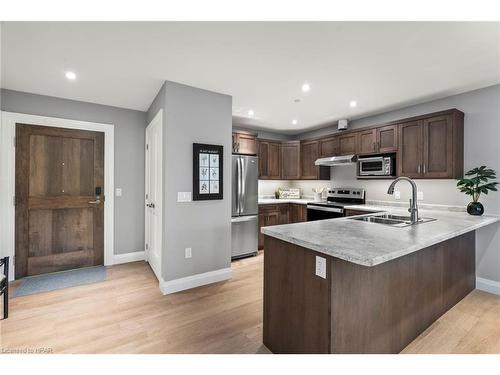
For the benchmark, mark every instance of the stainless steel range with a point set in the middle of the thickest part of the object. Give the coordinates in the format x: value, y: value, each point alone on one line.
x: 337, y: 199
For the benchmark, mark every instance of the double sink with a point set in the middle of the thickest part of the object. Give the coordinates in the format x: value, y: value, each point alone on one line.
x: 391, y: 220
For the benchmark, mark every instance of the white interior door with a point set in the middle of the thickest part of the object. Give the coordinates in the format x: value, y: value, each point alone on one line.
x: 154, y: 188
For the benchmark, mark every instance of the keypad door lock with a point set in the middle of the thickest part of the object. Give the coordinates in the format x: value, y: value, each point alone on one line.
x: 98, y: 192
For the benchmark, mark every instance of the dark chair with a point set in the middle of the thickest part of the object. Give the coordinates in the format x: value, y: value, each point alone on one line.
x: 4, y: 286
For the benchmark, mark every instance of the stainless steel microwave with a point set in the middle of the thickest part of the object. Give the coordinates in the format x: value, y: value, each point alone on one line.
x: 375, y: 166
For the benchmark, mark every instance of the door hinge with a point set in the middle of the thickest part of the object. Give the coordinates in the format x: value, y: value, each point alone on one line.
x: 147, y: 147
x: 147, y: 246
x: 14, y: 141
x: 14, y: 200
x: 146, y: 196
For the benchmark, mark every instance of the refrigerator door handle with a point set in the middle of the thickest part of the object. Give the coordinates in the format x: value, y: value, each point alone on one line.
x: 240, y: 184
x: 243, y: 176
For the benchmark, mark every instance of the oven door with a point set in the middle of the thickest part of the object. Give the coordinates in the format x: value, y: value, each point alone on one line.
x: 371, y: 167
x: 322, y: 212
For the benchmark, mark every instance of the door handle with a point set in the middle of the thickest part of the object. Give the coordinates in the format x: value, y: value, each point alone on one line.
x: 150, y: 205
x: 95, y: 202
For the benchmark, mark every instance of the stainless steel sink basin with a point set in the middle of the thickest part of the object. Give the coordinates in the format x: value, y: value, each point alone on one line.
x: 392, y: 220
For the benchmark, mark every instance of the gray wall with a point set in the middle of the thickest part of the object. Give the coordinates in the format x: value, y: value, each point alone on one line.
x: 482, y: 136
x: 129, y: 154
x: 192, y: 115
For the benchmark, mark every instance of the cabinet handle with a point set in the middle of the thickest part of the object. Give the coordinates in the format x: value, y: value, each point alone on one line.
x: 418, y: 169
x: 374, y: 146
x: 424, y: 169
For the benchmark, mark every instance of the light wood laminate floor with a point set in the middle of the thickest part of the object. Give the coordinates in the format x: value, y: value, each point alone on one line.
x: 128, y: 314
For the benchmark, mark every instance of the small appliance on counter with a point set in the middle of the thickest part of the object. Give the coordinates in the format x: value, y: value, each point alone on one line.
x: 337, y: 199
x: 244, y: 206
x: 381, y: 166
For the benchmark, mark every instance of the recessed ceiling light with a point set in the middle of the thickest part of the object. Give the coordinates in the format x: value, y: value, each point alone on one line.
x: 297, y: 100
x: 306, y: 87
x: 251, y: 112
x: 294, y: 122
x: 71, y: 75
x: 353, y: 103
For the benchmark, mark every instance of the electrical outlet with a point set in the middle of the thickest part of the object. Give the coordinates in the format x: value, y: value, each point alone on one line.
x: 420, y: 195
x: 397, y: 194
x: 321, y: 267
x: 187, y: 252
x: 118, y: 192
x: 184, y: 196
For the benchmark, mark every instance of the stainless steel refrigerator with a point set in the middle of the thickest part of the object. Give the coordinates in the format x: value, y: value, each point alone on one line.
x: 244, y: 202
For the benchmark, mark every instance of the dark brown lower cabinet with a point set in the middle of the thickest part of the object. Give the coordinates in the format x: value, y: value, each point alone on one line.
x: 281, y: 213
x: 359, y: 309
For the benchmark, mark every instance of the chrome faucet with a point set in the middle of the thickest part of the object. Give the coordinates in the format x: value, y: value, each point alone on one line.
x: 413, y: 210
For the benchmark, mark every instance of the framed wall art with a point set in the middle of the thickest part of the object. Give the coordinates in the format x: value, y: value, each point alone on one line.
x: 207, y: 172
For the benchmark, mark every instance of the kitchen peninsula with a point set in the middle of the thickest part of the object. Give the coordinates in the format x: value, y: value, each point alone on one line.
x: 352, y: 286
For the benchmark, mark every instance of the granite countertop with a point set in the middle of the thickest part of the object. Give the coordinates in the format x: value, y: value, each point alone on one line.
x: 370, y: 244
x: 285, y: 200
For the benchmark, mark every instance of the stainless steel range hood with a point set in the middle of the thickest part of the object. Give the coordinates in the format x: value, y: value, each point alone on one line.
x: 336, y: 160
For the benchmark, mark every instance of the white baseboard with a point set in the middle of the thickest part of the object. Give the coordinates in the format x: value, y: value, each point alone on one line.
x: 489, y: 286
x: 128, y: 257
x: 173, y: 286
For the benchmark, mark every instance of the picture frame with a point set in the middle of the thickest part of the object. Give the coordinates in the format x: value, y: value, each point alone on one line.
x: 208, y: 172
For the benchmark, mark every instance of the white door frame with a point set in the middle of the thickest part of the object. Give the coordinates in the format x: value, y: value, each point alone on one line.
x: 8, y: 177
x: 159, y: 204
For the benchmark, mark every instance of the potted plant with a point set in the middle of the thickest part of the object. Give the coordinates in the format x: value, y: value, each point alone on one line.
x: 479, y: 182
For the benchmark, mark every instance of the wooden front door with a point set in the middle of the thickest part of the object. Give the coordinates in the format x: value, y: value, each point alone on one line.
x: 59, y: 222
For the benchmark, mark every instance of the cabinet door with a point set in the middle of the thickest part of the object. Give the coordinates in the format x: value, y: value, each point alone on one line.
x: 284, y: 213
x: 367, y: 142
x: 309, y: 152
x: 348, y: 144
x: 410, y: 155
x: 274, y: 161
x: 273, y: 218
x: 438, y: 147
x: 387, y: 139
x: 329, y: 146
x: 290, y: 160
x: 246, y: 144
x: 263, y: 153
x: 235, y: 142
x: 303, y: 216
x: 294, y: 213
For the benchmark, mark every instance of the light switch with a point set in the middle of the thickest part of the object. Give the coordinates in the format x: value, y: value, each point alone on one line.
x: 321, y: 267
x: 118, y: 192
x: 397, y: 194
x: 184, y: 196
x: 187, y: 252
x: 420, y: 195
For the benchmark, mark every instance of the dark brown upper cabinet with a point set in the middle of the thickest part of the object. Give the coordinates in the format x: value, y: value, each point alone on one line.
x: 387, y: 139
x: 245, y: 143
x: 367, y: 142
x: 329, y: 146
x: 290, y: 160
x: 432, y: 147
x: 379, y: 140
x: 269, y: 153
x: 410, y: 156
x: 309, y: 152
x: 348, y: 143
x: 442, y: 151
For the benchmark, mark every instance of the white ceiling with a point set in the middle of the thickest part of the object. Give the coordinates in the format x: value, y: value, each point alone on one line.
x: 381, y: 65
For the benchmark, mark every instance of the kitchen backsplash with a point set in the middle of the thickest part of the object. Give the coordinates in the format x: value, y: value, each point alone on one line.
x: 434, y: 191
